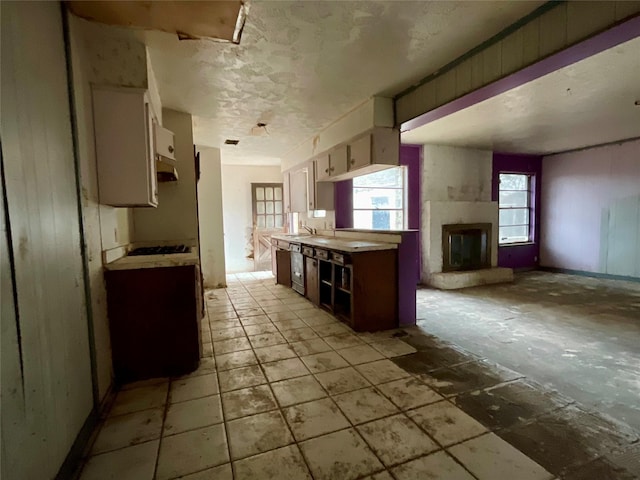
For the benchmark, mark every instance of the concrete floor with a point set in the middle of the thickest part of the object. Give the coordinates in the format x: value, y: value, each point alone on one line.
x: 578, y: 335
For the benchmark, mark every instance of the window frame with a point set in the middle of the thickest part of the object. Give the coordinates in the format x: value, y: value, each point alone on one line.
x: 403, y: 188
x: 531, y: 178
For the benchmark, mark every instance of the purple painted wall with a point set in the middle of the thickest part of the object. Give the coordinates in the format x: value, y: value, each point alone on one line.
x: 344, y: 204
x: 411, y: 157
x: 525, y: 255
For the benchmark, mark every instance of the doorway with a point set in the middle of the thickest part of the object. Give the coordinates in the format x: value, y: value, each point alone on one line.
x: 268, y: 219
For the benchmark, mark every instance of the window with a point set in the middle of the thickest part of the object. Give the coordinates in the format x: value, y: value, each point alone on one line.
x: 515, y: 208
x: 267, y: 205
x: 379, y: 200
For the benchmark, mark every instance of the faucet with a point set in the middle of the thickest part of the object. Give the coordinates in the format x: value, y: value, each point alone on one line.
x: 312, y: 231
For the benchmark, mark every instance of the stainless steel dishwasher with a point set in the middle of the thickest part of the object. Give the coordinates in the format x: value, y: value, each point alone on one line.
x: 297, y: 268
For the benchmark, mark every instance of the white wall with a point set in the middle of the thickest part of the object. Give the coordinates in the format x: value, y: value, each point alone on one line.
x: 456, y: 188
x: 591, y: 210
x: 238, y: 216
x: 46, y: 370
x: 212, y: 248
x: 175, y: 220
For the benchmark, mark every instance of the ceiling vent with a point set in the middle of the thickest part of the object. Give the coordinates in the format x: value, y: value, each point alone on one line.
x: 228, y: 141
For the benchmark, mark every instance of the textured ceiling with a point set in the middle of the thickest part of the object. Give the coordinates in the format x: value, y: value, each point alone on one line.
x: 588, y: 103
x: 302, y: 65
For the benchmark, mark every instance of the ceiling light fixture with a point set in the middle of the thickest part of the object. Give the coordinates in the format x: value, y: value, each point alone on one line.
x: 260, y: 130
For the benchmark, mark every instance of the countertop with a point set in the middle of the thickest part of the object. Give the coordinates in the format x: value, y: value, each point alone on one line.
x: 153, y: 261
x: 339, y: 244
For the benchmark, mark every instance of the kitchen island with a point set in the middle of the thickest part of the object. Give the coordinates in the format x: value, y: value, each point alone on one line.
x: 354, y: 279
x: 154, y: 304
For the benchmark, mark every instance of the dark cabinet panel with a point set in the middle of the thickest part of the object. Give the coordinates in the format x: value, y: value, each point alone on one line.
x: 283, y: 267
x: 311, y: 276
x: 154, y: 319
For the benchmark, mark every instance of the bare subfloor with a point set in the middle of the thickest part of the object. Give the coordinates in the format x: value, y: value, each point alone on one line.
x: 575, y: 339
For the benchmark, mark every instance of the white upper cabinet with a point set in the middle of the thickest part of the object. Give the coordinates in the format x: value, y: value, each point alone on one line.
x: 338, y: 159
x: 322, y: 167
x: 298, y: 190
x: 123, y: 126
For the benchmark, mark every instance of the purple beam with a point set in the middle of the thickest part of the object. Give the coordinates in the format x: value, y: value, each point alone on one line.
x: 599, y: 43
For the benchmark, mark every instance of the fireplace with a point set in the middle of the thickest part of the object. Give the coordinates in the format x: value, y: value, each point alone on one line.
x: 466, y: 247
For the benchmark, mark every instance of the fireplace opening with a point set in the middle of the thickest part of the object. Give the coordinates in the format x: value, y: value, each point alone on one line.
x: 466, y: 247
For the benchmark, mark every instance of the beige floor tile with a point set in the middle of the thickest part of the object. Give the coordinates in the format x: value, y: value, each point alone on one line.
x: 255, y: 320
x: 342, y: 380
x: 246, y: 312
x: 231, y: 345
x: 396, y: 439
x: 379, y: 476
x: 241, y: 378
x: 284, y: 369
x: 192, y: 451
x: 260, y: 329
x: 489, y: 457
x: 315, y: 418
x: 299, y: 334
x: 266, y: 340
x: 193, y: 414
x: 243, y: 358
x: 338, y: 342
x: 227, y: 333
x: 330, y: 329
x: 284, y: 463
x: 437, y: 466
x: 126, y: 430
x: 222, y: 315
x: 131, y: 463
x: 224, y: 325
x: 301, y: 307
x: 324, y: 362
x: 222, y: 472
x: 207, y: 350
x: 290, y: 324
x: 275, y: 309
x: 145, y: 383
x: 340, y: 455
x: 364, y: 405
x: 311, y: 346
x: 257, y: 433
x: 284, y: 315
x: 248, y: 401
x: 409, y: 393
x: 207, y: 365
x: 275, y: 353
x: 359, y: 354
x: 297, y: 390
x: 381, y: 371
x: 446, y: 423
x: 193, y: 387
x: 143, y: 398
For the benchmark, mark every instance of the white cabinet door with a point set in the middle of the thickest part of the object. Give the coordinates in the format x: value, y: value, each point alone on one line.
x: 322, y: 167
x: 338, y: 161
x: 311, y: 185
x: 124, y: 147
x: 164, y: 142
x: 298, y: 190
x: 360, y: 152
x: 286, y: 194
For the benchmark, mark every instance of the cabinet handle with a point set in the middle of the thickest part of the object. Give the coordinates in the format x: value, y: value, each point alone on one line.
x: 332, y: 168
x: 170, y: 148
x: 326, y: 170
x: 353, y: 160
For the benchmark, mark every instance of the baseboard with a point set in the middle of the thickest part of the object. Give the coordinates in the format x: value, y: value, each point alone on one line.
x: 70, y: 467
x: 582, y: 273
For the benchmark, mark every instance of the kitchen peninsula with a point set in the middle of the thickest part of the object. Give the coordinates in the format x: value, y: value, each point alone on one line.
x: 355, y: 279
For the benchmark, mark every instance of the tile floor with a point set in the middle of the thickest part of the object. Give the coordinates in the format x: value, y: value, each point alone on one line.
x: 284, y: 391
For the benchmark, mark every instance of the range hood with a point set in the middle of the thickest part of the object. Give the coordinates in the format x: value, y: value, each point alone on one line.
x: 165, y: 154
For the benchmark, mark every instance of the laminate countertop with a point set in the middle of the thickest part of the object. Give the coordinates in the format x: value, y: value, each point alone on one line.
x: 153, y: 261
x: 339, y: 244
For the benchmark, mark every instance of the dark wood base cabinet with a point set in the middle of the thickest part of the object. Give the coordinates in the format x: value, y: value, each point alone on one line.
x: 154, y: 318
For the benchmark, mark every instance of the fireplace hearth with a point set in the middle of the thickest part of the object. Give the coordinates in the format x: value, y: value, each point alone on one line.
x: 466, y: 247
